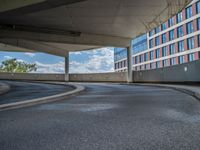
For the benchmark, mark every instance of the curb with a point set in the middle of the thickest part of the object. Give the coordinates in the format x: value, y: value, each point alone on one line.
x: 53, y: 98
x: 4, y: 88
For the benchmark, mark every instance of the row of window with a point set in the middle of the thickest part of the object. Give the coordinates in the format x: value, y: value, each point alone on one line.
x: 180, y: 46
x: 178, y: 18
x: 168, y: 62
x: 163, y: 63
x: 180, y: 33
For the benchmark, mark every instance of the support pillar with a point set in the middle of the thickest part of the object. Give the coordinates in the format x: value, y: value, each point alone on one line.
x: 129, y: 64
x: 67, y: 67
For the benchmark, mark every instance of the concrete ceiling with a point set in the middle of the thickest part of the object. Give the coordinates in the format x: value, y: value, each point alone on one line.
x: 69, y: 25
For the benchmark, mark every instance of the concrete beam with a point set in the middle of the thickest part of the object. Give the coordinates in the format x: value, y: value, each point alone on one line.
x: 20, y: 7
x: 82, y: 38
x: 35, y: 46
x: 7, y: 5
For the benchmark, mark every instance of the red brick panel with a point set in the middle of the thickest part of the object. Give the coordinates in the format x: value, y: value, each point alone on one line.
x: 185, y: 29
x: 176, y: 47
x: 160, y: 52
x: 185, y: 45
x: 194, y: 12
x: 175, y: 33
x: 196, y: 41
x: 184, y: 14
x: 167, y: 36
x: 186, y: 58
x: 195, y: 25
x: 177, y: 61
x: 196, y: 55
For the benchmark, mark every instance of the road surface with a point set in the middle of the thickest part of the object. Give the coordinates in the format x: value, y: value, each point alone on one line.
x: 106, y: 117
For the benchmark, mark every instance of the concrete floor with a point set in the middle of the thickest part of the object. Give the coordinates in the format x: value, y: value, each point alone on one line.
x: 21, y: 91
x: 106, y: 117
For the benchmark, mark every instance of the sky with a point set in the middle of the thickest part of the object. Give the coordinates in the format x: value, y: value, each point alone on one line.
x: 93, y: 61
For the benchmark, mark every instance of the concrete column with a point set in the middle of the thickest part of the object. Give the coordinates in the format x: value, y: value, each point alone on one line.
x: 129, y: 64
x: 67, y: 67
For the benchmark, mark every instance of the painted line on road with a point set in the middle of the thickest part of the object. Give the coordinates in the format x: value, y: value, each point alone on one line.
x: 53, y: 98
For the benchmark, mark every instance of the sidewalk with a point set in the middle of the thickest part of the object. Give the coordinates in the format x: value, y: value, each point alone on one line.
x: 189, y: 89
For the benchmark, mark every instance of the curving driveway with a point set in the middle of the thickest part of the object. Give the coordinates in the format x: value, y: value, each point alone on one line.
x: 20, y: 91
x: 106, y: 117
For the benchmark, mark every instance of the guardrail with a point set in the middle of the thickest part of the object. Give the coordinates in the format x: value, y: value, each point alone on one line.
x: 95, y: 77
x: 188, y: 72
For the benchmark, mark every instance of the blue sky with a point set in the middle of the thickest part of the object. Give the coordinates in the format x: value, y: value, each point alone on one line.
x: 99, y: 60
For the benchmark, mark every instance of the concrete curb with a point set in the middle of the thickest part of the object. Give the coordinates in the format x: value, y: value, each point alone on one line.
x: 185, y: 89
x: 4, y: 88
x: 26, y: 103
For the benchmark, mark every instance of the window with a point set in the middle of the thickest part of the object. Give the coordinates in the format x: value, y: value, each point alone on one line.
x: 158, y: 64
x: 142, y: 67
x: 152, y: 65
x: 139, y: 44
x: 173, y: 61
x: 190, y: 27
x: 165, y: 63
x: 191, y: 57
x: 181, y: 59
x: 180, y: 32
x: 199, y: 40
x: 151, y: 55
x: 157, y: 30
x: 133, y: 61
x: 151, y: 43
x: 146, y: 57
x: 164, y: 51
x: 163, y: 26
x: 158, y: 53
x: 141, y: 58
x: 179, y: 17
x: 151, y: 33
x: 189, y: 12
x: 157, y: 42
x: 164, y: 38
x: 198, y: 23
x: 136, y: 60
x: 172, y: 49
x: 198, y: 7
x: 115, y: 65
x: 181, y: 46
x: 171, y: 35
x: 146, y: 66
x: 171, y: 22
x: 190, y: 43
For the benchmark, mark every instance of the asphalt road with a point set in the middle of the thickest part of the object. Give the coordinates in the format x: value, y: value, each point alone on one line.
x: 106, y: 117
x: 21, y: 91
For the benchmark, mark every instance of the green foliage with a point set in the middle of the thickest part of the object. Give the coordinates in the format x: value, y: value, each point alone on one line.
x: 15, y: 66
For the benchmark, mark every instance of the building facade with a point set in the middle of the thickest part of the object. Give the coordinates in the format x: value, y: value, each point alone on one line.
x: 174, y: 42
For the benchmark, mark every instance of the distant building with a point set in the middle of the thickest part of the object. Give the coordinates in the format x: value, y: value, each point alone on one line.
x: 174, y: 42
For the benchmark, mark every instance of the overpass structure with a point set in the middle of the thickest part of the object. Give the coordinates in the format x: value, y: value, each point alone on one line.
x: 60, y: 26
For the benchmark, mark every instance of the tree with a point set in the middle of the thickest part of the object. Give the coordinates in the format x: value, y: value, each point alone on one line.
x: 15, y: 66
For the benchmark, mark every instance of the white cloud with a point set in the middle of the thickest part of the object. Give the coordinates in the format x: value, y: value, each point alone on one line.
x: 7, y: 57
x: 77, y: 53
x: 20, y: 60
x: 29, y: 54
x: 101, y: 60
x: 50, y: 68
